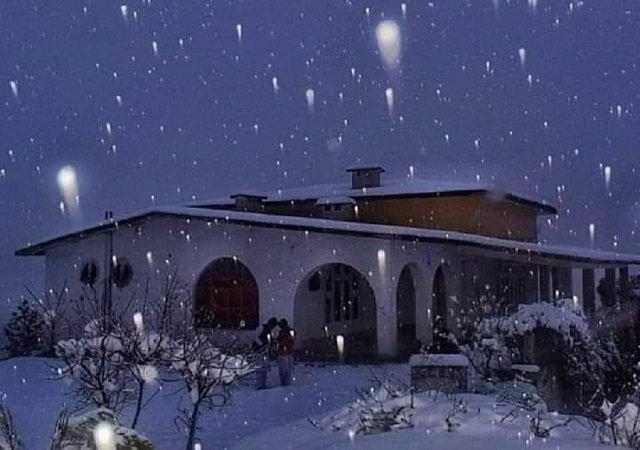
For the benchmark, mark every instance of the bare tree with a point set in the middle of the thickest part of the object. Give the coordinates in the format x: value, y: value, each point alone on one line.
x: 206, y: 372
x: 61, y: 437
x: 54, y: 306
x: 95, y: 364
x: 9, y: 439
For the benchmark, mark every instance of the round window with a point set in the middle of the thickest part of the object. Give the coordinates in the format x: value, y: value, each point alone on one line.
x: 122, y: 272
x: 89, y: 273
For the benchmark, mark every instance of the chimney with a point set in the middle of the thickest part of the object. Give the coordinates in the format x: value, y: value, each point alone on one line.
x: 248, y: 202
x: 365, y: 177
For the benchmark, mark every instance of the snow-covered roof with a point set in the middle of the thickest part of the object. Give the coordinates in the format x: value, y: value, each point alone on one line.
x: 335, y: 200
x: 404, y: 187
x: 320, y: 225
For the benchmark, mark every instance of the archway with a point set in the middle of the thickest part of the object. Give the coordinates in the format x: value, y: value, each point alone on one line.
x: 335, y: 299
x: 439, y: 314
x: 406, y: 312
x: 226, y: 296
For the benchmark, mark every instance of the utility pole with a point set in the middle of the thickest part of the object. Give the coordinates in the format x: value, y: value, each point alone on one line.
x: 107, y: 296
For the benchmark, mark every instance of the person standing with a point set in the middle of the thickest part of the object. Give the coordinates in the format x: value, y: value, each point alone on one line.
x: 285, y: 343
x: 262, y: 348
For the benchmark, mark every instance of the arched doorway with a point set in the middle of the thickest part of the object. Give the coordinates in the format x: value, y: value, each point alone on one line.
x: 406, y: 312
x: 439, y: 313
x: 332, y: 300
x: 226, y: 296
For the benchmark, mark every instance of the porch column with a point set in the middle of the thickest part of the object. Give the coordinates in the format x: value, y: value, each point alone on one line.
x: 623, y: 276
x: 576, y: 287
x: 609, y: 298
x: 555, y: 283
x: 544, y: 285
x: 386, y: 308
x: 588, y: 291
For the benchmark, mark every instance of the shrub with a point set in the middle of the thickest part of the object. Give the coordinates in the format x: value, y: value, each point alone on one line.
x: 77, y: 433
x: 564, y: 348
x: 25, y: 330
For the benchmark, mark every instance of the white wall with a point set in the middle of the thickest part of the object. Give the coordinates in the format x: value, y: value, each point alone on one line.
x: 279, y: 260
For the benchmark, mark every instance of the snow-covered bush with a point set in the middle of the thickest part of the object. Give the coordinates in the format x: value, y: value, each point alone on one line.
x: 206, y: 373
x: 25, y: 330
x: 9, y: 439
x: 381, y: 408
x: 458, y: 407
x: 619, y: 423
x: 78, y: 433
x: 564, y: 347
x: 95, y: 365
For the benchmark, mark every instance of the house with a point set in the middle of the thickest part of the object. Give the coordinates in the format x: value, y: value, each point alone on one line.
x: 380, y: 262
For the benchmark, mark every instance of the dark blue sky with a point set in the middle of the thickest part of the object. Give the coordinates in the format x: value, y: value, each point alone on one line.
x: 186, y: 125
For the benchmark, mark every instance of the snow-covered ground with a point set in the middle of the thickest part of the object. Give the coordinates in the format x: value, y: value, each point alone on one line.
x: 278, y: 417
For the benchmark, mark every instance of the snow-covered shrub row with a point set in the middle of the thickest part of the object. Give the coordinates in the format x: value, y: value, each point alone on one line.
x: 515, y: 409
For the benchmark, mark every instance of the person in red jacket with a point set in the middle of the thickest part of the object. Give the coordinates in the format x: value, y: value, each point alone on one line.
x: 285, y: 341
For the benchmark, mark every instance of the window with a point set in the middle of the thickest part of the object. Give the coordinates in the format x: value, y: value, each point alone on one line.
x: 226, y: 296
x: 89, y: 273
x: 512, y: 287
x: 341, y: 294
x: 122, y: 273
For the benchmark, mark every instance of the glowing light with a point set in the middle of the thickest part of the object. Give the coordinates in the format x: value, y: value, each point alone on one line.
x: 403, y: 6
x: 239, y: 32
x: 388, y: 93
x: 124, y: 10
x: 276, y: 87
x: 68, y: 185
x: 154, y: 46
x: 310, y: 94
x: 149, y: 257
x: 592, y: 233
x: 389, y: 44
x: 104, y: 436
